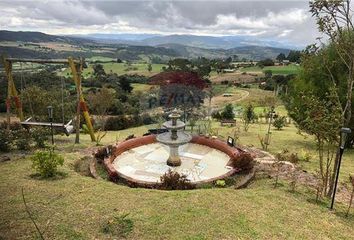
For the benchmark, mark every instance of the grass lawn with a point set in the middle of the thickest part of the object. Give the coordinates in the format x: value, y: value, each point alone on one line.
x: 76, y: 207
x: 290, y: 69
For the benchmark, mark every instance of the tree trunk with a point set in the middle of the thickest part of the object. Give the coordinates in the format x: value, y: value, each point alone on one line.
x: 77, y: 127
x: 350, y: 203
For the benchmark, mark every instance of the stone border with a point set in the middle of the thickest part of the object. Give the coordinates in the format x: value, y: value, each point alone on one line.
x: 119, y: 148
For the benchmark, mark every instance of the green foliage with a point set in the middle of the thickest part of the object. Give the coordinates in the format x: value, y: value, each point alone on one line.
x: 6, y: 140
x: 22, y: 139
x: 268, y: 73
x: 46, y: 162
x: 120, y: 226
x: 294, y: 56
x: 266, y: 62
x: 99, y: 136
x: 228, y: 112
x: 220, y: 183
x: 322, y: 118
x: 172, y: 180
x: 248, y: 116
x: 279, y: 122
x: 281, y: 57
x: 40, y: 135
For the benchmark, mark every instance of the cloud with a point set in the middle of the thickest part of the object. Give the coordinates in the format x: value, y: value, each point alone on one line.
x: 268, y: 19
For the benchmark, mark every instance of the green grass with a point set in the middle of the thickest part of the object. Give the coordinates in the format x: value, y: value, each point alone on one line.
x: 140, y: 87
x: 290, y: 69
x: 76, y: 207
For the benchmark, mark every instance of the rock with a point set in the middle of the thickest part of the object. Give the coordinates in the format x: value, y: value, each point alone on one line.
x: 4, y: 158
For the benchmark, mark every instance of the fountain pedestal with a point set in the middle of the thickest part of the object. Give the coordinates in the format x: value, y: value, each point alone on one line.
x: 174, y: 160
x: 174, y: 138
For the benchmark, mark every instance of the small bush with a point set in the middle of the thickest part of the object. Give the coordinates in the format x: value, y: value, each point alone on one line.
x: 119, y: 226
x: 243, y: 161
x: 285, y: 155
x: 279, y: 122
x: 22, y: 139
x: 13, y: 125
x: 46, y: 162
x: 40, y: 136
x: 6, y: 140
x: 220, y: 183
x: 172, y: 180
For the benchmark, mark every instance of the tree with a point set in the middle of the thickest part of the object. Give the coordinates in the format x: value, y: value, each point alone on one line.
x: 351, y: 180
x: 335, y: 19
x: 98, y: 71
x: 320, y: 117
x: 294, y: 56
x: 266, y: 62
x: 268, y: 74
x: 149, y: 67
x: 248, y: 116
x: 281, y: 57
x: 279, y: 122
x: 228, y: 112
x: 125, y: 84
x: 100, y: 102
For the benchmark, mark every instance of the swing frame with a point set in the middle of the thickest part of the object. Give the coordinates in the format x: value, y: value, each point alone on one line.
x: 12, y: 94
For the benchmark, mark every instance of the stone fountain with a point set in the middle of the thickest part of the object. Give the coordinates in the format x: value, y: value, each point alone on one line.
x: 174, y: 138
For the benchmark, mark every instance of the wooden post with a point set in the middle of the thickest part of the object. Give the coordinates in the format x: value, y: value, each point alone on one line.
x: 82, y: 103
x: 11, y: 92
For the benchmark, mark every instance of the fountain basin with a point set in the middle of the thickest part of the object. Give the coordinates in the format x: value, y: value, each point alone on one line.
x: 182, y: 138
x: 141, y: 162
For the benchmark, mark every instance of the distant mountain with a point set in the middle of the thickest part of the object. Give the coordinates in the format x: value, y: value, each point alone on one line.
x: 144, y: 47
x: 210, y: 42
x: 116, y: 37
x: 37, y: 37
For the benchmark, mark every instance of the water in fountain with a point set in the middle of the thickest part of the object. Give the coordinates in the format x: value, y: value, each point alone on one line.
x: 174, y: 138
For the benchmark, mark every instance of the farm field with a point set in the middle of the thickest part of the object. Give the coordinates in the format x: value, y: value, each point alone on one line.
x: 290, y: 69
x: 120, y: 69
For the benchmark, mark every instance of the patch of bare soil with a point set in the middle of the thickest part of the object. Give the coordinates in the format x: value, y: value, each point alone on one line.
x: 220, y: 100
x: 236, y: 77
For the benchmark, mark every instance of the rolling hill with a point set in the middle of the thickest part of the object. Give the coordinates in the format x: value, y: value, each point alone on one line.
x: 41, y: 45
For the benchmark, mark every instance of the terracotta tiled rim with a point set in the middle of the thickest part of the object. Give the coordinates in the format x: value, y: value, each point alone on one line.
x: 119, y: 148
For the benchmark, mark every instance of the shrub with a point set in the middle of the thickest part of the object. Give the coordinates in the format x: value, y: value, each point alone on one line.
x: 220, y: 183
x: 13, y: 125
x: 228, y: 112
x: 243, y: 161
x: 6, y: 140
x: 40, y: 136
x: 285, y: 155
x: 22, y: 139
x: 216, y: 115
x: 46, y: 162
x: 279, y: 122
x: 248, y: 116
x: 172, y: 180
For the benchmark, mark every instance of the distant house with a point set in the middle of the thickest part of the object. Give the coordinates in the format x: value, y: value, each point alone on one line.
x: 285, y: 62
x: 228, y: 70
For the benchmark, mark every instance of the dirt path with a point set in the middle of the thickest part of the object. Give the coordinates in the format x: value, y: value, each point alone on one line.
x: 219, y: 101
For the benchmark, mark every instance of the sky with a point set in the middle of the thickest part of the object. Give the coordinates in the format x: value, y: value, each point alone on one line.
x: 283, y: 21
